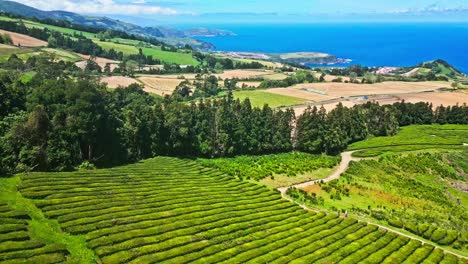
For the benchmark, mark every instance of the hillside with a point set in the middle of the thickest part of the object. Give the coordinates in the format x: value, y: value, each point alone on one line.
x: 436, y: 69
x: 296, y: 58
x: 175, y: 35
x: 143, y: 213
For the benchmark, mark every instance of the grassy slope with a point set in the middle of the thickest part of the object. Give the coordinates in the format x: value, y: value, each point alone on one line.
x: 40, y: 228
x: 156, y: 52
x: 171, y: 210
x: 126, y: 46
x: 413, y: 189
x: 413, y: 138
x: 276, y: 170
x: 260, y: 98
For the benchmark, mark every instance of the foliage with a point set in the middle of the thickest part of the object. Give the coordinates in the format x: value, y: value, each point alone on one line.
x: 303, y: 197
x: 299, y: 77
x: 144, y: 213
x: 417, y: 192
x: 72, y: 120
x: 259, y: 167
x: 412, y: 138
x: 319, y: 131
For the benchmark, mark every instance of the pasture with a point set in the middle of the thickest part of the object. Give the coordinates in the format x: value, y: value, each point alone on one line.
x: 260, y: 98
x: 169, y: 210
x: 156, y: 52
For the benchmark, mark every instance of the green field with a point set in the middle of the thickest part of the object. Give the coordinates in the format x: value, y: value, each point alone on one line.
x: 5, y: 53
x: 167, y: 210
x: 276, y: 170
x: 260, y: 98
x: 63, y: 55
x: 128, y: 47
x: 156, y: 52
x: 414, y: 138
x: 417, y: 192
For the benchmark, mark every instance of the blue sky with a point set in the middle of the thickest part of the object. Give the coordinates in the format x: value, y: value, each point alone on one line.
x: 222, y: 11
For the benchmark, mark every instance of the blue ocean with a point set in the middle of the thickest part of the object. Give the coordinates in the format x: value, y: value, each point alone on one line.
x: 368, y: 44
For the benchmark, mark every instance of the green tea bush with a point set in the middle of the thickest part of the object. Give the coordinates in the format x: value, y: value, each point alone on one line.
x: 260, y: 167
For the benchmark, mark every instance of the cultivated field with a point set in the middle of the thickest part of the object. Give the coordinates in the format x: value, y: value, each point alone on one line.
x: 116, y: 81
x: 351, y: 89
x: 423, y: 193
x: 100, y: 61
x: 23, y: 40
x: 156, y: 52
x: 260, y: 98
x: 414, y: 138
x: 160, y: 86
x: 330, y: 94
x: 18, y: 246
x: 245, y: 74
x: 168, y: 210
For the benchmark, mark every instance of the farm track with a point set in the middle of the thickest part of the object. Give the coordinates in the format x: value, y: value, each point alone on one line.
x: 168, y: 210
x: 346, y: 158
x: 370, y: 97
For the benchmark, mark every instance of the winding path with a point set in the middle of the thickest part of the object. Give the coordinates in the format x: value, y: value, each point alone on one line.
x: 346, y: 158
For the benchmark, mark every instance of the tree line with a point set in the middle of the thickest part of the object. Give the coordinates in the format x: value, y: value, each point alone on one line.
x: 320, y: 132
x: 56, y: 122
x: 61, y: 118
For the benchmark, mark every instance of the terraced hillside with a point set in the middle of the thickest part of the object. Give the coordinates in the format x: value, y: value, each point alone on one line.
x: 167, y: 210
x: 16, y: 245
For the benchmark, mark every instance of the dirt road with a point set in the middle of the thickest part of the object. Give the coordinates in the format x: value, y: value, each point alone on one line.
x: 346, y: 158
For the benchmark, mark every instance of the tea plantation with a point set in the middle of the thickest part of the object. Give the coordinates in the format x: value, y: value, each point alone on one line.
x: 168, y: 210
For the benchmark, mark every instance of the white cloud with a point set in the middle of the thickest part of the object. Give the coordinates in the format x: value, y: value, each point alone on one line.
x: 434, y: 8
x: 100, y: 7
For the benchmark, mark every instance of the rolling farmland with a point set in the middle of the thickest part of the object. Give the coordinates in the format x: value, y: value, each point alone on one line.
x: 174, y: 211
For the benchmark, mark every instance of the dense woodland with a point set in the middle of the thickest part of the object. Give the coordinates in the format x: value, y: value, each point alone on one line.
x: 59, y: 118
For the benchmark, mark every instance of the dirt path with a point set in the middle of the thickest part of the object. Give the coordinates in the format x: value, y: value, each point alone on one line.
x: 346, y: 158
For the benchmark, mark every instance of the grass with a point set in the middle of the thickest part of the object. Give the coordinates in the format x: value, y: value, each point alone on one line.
x: 27, y: 77
x: 281, y: 169
x: 156, y: 52
x: 63, y: 55
x: 40, y: 228
x: 68, y: 31
x: 404, y: 191
x: 413, y: 138
x: 283, y: 180
x: 5, y: 53
x: 260, y: 98
x: 25, y: 53
x: 128, y: 47
x: 169, y: 210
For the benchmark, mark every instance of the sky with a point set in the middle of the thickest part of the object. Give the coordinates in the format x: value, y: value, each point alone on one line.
x: 248, y: 11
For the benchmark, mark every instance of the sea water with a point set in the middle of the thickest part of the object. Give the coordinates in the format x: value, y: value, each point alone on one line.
x: 368, y: 44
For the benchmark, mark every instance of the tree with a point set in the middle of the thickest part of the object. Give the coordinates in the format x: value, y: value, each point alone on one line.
x: 107, y: 69
x: 52, y: 42
x: 182, y: 91
x: 92, y: 66
x: 131, y: 66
